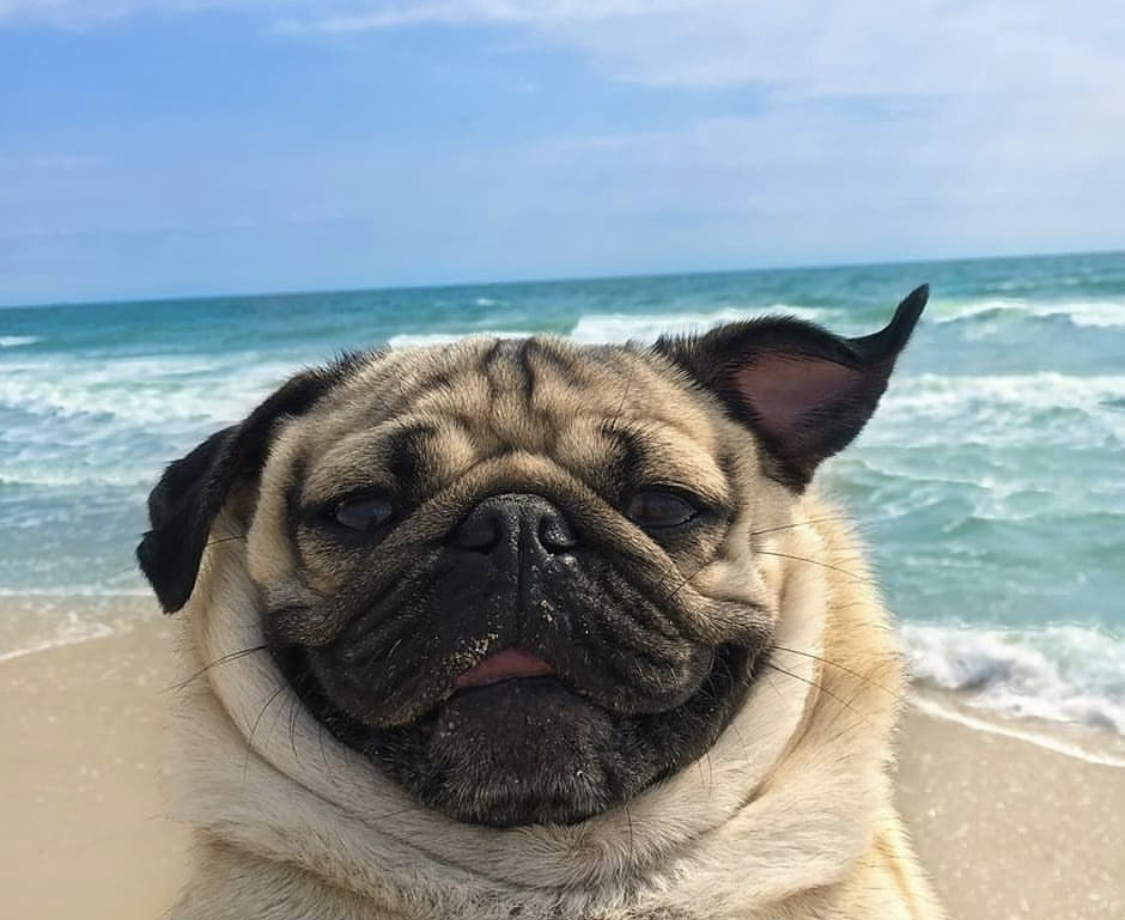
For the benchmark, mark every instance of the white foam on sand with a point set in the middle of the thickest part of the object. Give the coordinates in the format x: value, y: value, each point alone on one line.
x: 70, y: 630
x: 1044, y: 739
x: 1068, y: 674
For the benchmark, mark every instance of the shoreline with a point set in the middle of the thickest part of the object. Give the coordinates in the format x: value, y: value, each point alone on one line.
x: 122, y: 614
x: 1096, y: 746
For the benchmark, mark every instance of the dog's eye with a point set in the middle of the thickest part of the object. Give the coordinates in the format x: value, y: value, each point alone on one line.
x: 654, y: 509
x: 363, y: 514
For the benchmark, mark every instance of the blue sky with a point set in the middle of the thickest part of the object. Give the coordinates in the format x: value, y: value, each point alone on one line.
x: 177, y: 147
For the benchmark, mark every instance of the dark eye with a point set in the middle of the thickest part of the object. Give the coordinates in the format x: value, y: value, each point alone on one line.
x: 654, y: 509
x: 363, y: 514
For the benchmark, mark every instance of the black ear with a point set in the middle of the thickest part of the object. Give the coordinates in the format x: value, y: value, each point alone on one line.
x: 193, y: 489
x: 806, y: 392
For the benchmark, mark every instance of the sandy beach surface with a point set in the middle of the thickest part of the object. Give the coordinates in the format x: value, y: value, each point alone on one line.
x: 1007, y: 829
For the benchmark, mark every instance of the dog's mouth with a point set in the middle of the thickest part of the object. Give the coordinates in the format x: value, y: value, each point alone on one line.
x: 514, y: 739
x: 507, y: 710
x: 506, y: 664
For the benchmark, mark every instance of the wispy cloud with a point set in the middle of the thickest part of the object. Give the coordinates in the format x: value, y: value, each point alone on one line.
x: 346, y: 15
x: 487, y: 12
x: 817, y: 47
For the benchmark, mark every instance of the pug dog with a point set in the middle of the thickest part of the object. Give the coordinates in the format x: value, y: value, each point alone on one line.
x: 523, y: 629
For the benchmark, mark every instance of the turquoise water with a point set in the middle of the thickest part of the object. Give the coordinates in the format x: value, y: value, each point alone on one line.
x: 990, y: 483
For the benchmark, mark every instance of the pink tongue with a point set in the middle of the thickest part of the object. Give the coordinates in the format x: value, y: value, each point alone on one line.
x: 511, y: 662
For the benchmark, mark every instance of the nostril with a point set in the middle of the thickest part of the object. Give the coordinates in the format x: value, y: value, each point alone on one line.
x: 555, y: 534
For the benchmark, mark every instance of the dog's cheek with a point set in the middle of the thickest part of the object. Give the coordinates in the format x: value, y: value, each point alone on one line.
x: 271, y: 556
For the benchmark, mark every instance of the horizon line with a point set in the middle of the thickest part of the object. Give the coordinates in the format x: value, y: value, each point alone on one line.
x: 570, y: 279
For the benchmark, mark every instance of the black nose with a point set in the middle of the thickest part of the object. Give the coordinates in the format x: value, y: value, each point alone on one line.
x: 515, y: 523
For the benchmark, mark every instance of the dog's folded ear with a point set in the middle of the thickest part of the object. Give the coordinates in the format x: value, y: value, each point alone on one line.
x: 805, y: 392
x: 194, y: 488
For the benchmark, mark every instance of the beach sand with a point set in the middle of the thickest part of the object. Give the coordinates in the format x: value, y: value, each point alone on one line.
x: 1006, y: 828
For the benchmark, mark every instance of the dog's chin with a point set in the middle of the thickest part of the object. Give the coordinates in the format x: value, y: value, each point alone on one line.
x: 521, y: 751
x: 532, y: 750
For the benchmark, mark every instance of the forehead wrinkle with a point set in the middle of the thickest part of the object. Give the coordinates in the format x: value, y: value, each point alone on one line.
x: 475, y: 370
x: 493, y: 395
x: 528, y: 394
x: 392, y: 379
x: 664, y: 454
x: 539, y: 386
x: 363, y: 457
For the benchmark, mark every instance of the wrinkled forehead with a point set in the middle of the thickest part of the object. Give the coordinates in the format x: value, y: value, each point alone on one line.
x: 482, y: 398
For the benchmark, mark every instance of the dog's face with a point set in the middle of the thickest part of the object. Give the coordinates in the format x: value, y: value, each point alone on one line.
x: 521, y: 576
x: 483, y: 588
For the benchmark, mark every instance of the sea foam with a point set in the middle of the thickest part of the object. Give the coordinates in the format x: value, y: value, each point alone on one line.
x: 1097, y: 313
x: 616, y: 328
x: 1059, y: 673
x: 140, y: 391
x: 1002, y: 410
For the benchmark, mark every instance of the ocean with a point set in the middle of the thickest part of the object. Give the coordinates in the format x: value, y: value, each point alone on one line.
x: 990, y: 484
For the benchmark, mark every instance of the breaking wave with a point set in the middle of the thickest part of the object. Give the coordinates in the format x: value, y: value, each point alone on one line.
x: 1096, y: 313
x: 1073, y: 674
